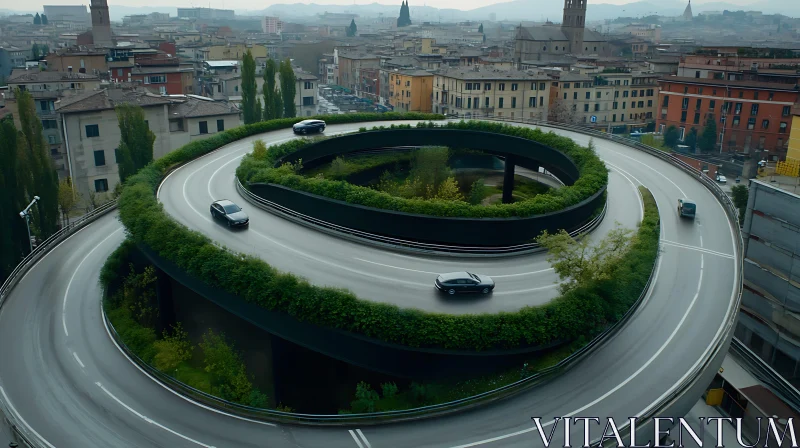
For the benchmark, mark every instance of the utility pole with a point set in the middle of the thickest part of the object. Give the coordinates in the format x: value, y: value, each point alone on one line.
x: 26, y: 215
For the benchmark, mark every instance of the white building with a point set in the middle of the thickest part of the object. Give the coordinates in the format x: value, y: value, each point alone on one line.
x: 91, y: 131
x: 271, y: 25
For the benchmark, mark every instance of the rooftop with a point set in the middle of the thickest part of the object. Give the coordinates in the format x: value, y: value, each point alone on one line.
x: 192, y: 108
x: 20, y: 75
x: 414, y: 72
x: 166, y: 69
x: 471, y: 73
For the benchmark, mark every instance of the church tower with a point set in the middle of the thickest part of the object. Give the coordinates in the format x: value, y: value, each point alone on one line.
x: 101, y: 24
x: 574, y: 23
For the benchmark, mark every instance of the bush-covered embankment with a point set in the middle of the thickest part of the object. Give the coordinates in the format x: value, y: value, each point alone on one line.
x: 593, y: 177
x: 580, y: 314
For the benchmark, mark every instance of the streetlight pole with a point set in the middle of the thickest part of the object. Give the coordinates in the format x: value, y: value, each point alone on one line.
x: 26, y: 215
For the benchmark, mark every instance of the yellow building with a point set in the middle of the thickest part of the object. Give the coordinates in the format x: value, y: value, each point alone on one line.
x: 791, y: 167
x: 233, y: 52
x: 410, y: 90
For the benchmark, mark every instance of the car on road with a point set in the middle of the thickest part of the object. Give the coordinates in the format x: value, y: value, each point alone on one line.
x: 230, y: 213
x: 309, y: 127
x: 686, y: 208
x: 464, y: 282
x: 721, y: 179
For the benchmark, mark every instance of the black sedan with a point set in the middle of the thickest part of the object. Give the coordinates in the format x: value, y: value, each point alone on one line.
x: 229, y: 212
x: 309, y: 127
x: 460, y: 282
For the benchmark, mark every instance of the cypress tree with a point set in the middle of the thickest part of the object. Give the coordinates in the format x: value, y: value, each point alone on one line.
x: 249, y: 88
x: 37, y: 20
x: 272, y: 106
x: 44, y: 19
x: 44, y: 182
x: 288, y: 88
x: 13, y: 233
x: 136, y: 140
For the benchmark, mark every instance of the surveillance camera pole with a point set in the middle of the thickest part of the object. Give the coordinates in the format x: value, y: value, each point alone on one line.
x: 25, y: 214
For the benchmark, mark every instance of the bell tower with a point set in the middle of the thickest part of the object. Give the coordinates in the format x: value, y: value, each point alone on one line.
x: 574, y: 23
x: 101, y: 24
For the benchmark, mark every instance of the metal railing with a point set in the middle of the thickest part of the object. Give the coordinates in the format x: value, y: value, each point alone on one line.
x: 730, y: 210
x: 402, y: 244
x: 764, y: 372
x: 20, y: 431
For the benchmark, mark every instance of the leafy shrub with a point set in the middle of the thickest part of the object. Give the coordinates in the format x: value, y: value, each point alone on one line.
x: 581, y: 312
x: 172, y: 349
x: 413, y: 195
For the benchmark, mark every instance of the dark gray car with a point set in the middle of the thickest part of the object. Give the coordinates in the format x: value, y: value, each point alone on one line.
x: 464, y: 282
x: 229, y: 212
x: 309, y: 127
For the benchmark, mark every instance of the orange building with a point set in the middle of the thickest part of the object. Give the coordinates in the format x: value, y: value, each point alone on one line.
x: 749, y: 115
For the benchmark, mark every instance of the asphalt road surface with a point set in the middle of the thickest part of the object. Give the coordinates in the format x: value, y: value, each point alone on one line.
x: 65, y: 378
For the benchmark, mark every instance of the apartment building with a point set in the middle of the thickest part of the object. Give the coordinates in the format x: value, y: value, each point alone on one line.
x: 475, y: 92
x: 271, y: 25
x: 91, y: 130
x: 791, y: 166
x: 350, y: 64
x: 228, y: 87
x: 750, y: 115
x: 411, y: 90
x: 47, y: 88
x: 606, y: 99
x: 768, y: 322
x: 305, y: 96
x: 729, y: 64
x: 82, y: 61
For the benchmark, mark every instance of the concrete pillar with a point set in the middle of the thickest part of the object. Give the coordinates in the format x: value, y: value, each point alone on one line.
x: 508, y: 180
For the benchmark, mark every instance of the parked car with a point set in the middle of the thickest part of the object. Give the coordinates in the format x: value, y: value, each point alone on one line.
x: 462, y: 282
x: 309, y: 127
x: 721, y: 179
x: 229, y: 212
x: 686, y: 208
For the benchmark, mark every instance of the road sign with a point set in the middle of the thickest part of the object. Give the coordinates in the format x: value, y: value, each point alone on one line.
x: 594, y: 119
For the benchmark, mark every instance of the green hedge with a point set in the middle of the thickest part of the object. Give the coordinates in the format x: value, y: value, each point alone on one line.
x: 593, y: 177
x: 579, y: 314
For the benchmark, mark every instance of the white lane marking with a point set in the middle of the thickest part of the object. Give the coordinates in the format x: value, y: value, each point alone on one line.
x: 699, y: 249
x: 620, y: 385
x: 437, y: 273
x: 53, y: 249
x: 108, y: 331
x: 652, y: 169
x: 366, y: 442
x: 22, y: 420
x: 635, y: 190
x: 148, y: 420
x: 66, y: 293
x: 78, y: 359
x: 358, y: 442
x: 211, y: 179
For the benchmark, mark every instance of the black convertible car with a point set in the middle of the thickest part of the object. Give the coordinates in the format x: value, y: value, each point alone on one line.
x: 457, y: 282
x: 309, y: 127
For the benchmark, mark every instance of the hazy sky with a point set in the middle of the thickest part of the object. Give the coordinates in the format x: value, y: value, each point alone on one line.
x: 253, y: 5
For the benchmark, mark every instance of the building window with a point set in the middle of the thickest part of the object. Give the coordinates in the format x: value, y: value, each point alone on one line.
x: 751, y: 123
x: 754, y: 109
x: 49, y: 124
x: 575, y: 95
x: 683, y: 117
x: 514, y: 103
x: 597, y: 95
x: 634, y: 93
x: 697, y: 118
x: 736, y: 121
x: 566, y: 85
x: 787, y: 110
x: 683, y: 133
x: 308, y: 85
x: 487, y: 102
x: 771, y: 96
x: 685, y: 104
x: 741, y: 94
x: 155, y: 79
x: 738, y: 110
x: 782, y: 128
x: 92, y: 130
x: 308, y: 101
x: 501, y: 86
x: 666, y: 102
x: 514, y: 86
x: 649, y: 103
x: 469, y: 103
x: 101, y: 185
x: 588, y: 95
x: 755, y: 95
x: 565, y: 95
x: 615, y: 105
x: 698, y: 104
x: 542, y: 86
x: 220, y: 125
x: 712, y: 105
x: 596, y: 107
x: 532, y: 101
x: 99, y: 158
x: 487, y: 86
x: 765, y: 124
x: 586, y: 108
x: 500, y: 103
x: 203, y: 127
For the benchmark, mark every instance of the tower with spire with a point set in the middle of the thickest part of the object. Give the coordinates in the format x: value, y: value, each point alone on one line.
x: 687, y: 13
x: 405, y: 16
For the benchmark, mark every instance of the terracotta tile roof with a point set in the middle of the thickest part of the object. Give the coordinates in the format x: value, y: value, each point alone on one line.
x: 19, y: 76
x: 200, y: 108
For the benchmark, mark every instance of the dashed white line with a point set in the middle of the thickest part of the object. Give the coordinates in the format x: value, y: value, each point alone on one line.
x: 617, y: 387
x: 22, y: 420
x: 75, y: 355
x: 437, y: 273
x: 66, y: 293
x: 148, y: 420
x: 699, y: 249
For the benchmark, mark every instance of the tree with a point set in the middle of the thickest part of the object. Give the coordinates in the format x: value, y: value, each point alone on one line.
x: 273, y: 106
x: 561, y: 112
x: 480, y: 28
x: 448, y: 191
x: 708, y: 139
x: 228, y: 372
x: 66, y: 199
x: 249, y: 88
x: 44, y: 179
x: 172, y: 349
x: 37, y: 20
x: 44, y: 19
x: 136, y: 140
x: 35, y: 51
x: 288, y: 88
x: 13, y: 184
x: 580, y: 262
x: 740, y: 195
x: 257, y: 110
x: 365, y: 399
x: 405, y: 16
x: 671, y: 136
x: 691, y: 139
x: 477, y: 192
x: 352, y: 29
